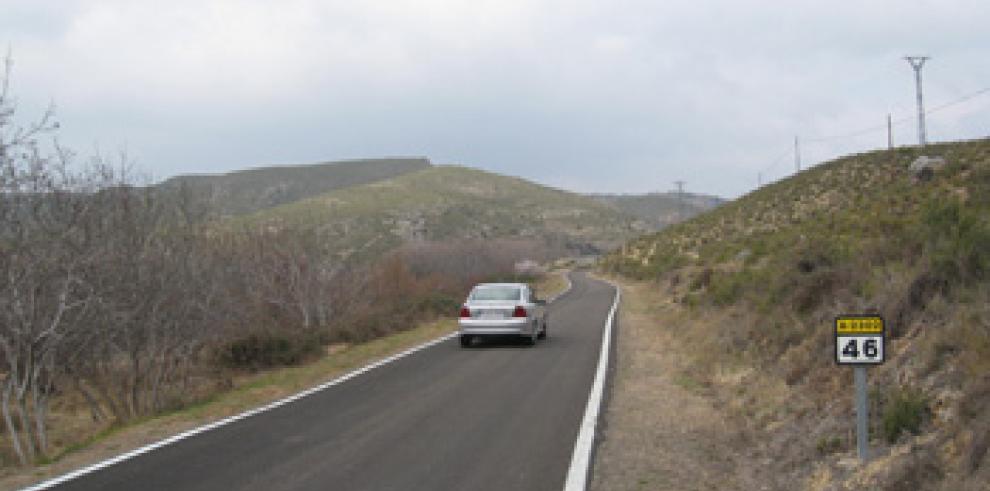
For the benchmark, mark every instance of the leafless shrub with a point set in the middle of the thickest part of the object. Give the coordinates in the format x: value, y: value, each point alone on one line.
x: 123, y: 292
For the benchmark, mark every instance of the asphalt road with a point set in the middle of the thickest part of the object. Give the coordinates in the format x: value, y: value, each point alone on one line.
x: 493, y: 417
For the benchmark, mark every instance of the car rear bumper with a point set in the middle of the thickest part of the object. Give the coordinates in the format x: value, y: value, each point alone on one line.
x: 501, y: 327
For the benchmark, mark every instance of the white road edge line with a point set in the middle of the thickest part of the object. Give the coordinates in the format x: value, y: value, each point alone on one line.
x: 195, y: 431
x: 281, y: 402
x: 577, y: 474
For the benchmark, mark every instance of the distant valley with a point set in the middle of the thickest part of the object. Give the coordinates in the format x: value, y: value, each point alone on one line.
x: 659, y: 210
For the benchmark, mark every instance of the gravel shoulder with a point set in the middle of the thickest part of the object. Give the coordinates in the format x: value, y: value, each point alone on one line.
x: 661, y: 431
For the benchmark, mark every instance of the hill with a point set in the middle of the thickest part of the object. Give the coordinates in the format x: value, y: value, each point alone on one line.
x: 247, y: 191
x: 660, y: 210
x: 759, y: 281
x: 450, y: 202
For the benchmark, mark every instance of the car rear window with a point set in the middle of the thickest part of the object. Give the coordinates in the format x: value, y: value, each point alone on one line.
x: 496, y: 293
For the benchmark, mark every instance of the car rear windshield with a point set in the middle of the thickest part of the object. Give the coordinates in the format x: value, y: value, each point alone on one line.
x: 496, y: 293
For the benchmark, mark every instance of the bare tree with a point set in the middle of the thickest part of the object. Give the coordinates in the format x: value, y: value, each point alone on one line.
x: 41, y: 292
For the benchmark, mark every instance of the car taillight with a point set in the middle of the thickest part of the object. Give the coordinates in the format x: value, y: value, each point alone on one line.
x: 519, y: 312
x: 465, y: 312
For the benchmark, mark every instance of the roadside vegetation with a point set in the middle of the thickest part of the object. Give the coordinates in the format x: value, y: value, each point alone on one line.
x: 120, y: 302
x: 760, y: 280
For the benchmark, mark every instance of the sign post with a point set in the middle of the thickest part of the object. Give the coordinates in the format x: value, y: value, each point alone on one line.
x: 862, y: 410
x: 859, y: 341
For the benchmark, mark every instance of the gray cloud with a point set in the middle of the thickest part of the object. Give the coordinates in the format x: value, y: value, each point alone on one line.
x: 586, y: 95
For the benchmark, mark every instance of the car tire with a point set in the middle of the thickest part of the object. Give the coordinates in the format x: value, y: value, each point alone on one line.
x: 530, y: 340
x: 543, y: 333
x: 465, y: 341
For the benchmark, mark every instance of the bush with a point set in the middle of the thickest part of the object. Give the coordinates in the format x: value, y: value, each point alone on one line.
x: 266, y: 350
x: 438, y: 303
x: 957, y: 241
x: 828, y: 445
x: 904, y: 410
x: 727, y: 288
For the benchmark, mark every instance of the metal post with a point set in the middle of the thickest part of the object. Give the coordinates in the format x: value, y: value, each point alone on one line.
x: 890, y: 133
x: 862, y: 408
x: 917, y: 62
x: 680, y: 200
x: 797, y: 155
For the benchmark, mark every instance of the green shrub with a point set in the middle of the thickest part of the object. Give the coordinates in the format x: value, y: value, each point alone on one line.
x: 266, y: 350
x: 904, y: 410
x: 437, y: 303
x: 957, y: 241
x: 727, y: 288
x: 829, y: 445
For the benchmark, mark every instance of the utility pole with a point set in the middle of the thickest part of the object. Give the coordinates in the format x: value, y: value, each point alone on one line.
x: 890, y: 134
x: 797, y: 155
x: 917, y: 62
x: 680, y: 200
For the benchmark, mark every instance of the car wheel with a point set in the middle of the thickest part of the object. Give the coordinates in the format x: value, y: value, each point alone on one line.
x: 531, y: 339
x: 465, y: 341
x: 543, y: 333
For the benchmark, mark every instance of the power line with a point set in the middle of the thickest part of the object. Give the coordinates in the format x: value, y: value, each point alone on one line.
x: 959, y: 100
x: 776, y: 160
x: 764, y: 173
x: 898, y: 121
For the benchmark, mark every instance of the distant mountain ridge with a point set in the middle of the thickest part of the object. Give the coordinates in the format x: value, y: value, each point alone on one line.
x: 449, y: 203
x: 247, y: 191
x: 659, y: 210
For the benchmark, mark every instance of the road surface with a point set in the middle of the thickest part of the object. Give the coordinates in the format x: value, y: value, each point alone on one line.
x: 493, y: 417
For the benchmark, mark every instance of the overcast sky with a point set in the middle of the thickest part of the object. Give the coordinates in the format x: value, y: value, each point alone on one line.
x: 587, y: 95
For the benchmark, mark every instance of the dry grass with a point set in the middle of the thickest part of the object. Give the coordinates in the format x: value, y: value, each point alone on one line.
x: 551, y: 284
x: 662, y: 430
x: 759, y: 280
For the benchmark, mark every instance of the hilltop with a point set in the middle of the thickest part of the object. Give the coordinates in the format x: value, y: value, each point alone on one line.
x: 756, y: 283
x: 450, y: 202
x: 660, y: 210
x: 247, y: 191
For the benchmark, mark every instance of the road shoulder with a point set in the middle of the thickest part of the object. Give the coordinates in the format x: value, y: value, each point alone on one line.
x: 660, y: 429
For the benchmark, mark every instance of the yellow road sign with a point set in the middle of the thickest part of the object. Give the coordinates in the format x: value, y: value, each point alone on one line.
x: 853, y: 325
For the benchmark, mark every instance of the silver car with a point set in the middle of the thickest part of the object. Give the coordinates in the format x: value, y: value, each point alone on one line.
x: 503, y: 309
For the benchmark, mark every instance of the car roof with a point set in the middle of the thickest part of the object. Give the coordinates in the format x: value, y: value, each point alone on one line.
x: 486, y: 285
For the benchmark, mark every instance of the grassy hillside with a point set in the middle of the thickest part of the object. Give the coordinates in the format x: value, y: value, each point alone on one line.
x: 761, y: 278
x: 450, y: 202
x: 659, y: 210
x: 250, y: 190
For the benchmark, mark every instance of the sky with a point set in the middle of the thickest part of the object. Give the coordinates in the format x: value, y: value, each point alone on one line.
x: 586, y: 95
